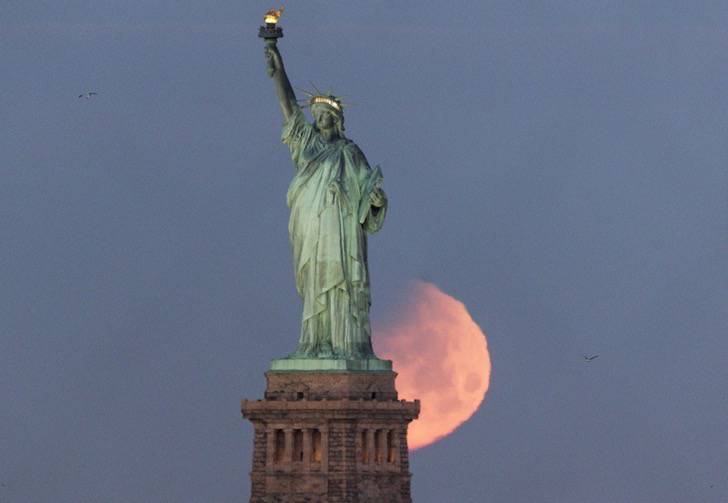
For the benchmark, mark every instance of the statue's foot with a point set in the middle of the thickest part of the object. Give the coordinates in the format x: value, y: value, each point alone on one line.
x: 326, y: 351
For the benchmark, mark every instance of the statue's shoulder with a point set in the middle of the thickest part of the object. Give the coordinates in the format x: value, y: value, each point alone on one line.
x: 352, y: 148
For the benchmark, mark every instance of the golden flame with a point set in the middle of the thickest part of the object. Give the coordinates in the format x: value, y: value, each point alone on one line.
x: 272, y: 16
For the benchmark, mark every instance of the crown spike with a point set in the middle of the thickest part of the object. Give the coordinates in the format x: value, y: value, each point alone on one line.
x: 309, y: 93
x: 314, y: 87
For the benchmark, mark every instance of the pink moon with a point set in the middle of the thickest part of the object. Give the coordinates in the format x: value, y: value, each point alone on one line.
x: 441, y: 357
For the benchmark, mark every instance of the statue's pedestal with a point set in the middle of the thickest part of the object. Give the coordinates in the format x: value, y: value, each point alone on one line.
x: 330, y: 437
x: 330, y: 364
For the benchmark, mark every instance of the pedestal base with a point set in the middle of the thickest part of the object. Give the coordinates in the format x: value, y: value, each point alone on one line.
x: 330, y: 437
x: 324, y: 364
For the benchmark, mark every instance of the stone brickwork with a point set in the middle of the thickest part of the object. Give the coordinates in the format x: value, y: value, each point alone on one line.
x: 330, y: 437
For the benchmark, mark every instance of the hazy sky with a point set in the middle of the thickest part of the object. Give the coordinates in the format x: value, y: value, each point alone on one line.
x: 560, y: 167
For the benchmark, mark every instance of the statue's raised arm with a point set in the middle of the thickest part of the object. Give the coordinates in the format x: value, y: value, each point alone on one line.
x: 271, y: 33
x: 276, y: 70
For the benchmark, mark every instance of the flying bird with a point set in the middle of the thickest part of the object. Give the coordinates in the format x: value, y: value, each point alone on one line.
x: 589, y: 358
x: 88, y: 95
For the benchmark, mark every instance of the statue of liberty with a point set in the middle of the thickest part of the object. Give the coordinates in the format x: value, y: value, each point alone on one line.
x: 335, y: 199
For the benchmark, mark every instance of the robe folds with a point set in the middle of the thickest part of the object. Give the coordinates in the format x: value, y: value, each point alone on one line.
x: 330, y: 216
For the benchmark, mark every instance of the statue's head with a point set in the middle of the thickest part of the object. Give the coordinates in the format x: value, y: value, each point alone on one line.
x: 328, y: 112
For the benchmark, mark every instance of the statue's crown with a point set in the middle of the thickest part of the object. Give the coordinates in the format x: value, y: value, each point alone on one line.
x: 326, y: 100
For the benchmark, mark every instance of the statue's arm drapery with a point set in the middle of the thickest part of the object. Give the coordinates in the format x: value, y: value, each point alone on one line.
x: 375, y: 218
x: 297, y: 133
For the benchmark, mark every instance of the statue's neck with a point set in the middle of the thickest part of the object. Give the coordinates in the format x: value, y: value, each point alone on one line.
x: 329, y: 135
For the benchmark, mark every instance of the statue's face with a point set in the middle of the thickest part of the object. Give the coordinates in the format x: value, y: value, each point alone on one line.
x: 324, y: 119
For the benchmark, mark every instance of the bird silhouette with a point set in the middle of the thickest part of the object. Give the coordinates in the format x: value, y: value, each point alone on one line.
x: 589, y: 358
x: 88, y: 95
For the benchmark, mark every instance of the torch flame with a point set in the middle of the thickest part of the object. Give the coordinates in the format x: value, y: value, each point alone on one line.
x: 272, y: 16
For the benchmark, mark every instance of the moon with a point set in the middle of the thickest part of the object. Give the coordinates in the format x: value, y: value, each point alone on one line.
x: 441, y: 357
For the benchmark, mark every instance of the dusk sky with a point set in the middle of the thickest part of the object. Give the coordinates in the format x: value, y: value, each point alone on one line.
x: 559, y: 167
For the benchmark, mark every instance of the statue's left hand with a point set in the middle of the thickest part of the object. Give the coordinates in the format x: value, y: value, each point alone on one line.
x: 377, y: 198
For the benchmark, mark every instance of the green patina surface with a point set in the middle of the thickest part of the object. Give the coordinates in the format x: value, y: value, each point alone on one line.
x: 324, y: 364
x: 335, y: 200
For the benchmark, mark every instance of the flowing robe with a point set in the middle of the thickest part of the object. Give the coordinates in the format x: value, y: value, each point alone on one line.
x: 330, y: 216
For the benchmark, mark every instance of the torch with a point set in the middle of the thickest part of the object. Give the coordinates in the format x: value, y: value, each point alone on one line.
x: 270, y: 32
